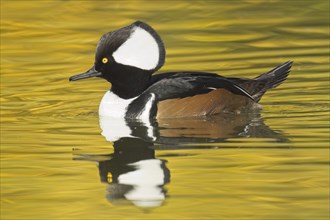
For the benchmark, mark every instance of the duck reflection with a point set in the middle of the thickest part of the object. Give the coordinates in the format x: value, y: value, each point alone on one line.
x: 133, y: 172
x: 175, y: 132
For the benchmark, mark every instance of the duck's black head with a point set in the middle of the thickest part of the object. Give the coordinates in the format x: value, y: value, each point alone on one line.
x: 126, y: 58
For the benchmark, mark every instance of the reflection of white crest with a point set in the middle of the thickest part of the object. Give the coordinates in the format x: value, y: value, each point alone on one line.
x: 148, y: 172
x: 147, y: 180
x: 139, y: 50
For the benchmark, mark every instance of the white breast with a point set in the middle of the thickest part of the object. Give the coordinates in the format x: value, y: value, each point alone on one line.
x: 114, y: 128
x: 112, y: 112
x: 116, y: 107
x: 113, y: 106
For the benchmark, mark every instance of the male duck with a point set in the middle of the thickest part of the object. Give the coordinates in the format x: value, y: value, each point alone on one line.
x: 128, y: 57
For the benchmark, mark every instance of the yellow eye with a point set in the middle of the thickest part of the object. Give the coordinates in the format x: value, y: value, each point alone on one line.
x: 104, y: 60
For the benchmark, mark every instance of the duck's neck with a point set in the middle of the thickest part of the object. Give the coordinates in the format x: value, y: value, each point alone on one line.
x: 129, y: 84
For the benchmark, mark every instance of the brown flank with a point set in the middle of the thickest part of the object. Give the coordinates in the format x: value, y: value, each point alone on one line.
x: 214, y: 102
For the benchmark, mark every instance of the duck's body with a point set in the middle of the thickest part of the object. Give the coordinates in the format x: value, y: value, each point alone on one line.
x: 127, y: 58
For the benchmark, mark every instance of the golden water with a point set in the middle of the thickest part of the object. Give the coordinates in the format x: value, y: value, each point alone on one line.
x: 51, y: 142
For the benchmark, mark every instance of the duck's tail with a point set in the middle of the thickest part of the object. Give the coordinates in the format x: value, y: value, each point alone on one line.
x: 271, y: 79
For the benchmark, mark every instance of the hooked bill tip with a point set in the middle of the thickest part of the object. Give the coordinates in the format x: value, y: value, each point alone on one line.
x: 73, y: 78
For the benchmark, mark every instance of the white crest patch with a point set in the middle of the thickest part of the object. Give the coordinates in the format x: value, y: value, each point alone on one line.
x: 139, y: 50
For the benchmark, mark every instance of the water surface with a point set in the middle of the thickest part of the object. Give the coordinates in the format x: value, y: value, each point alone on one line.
x: 272, y: 164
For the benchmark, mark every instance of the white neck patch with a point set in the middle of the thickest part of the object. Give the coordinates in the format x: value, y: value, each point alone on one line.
x: 139, y: 50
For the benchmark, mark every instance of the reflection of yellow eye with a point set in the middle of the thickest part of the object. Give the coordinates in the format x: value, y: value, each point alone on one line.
x: 104, y: 60
x: 109, y: 177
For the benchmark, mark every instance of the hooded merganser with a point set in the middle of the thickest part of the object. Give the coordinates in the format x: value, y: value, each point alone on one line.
x: 128, y: 57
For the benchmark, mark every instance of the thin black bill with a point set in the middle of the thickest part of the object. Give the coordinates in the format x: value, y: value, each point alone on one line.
x: 88, y: 74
